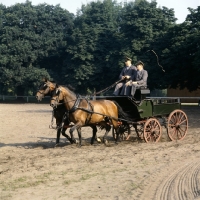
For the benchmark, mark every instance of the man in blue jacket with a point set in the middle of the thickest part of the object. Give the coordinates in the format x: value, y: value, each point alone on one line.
x: 140, y: 79
x: 126, y: 76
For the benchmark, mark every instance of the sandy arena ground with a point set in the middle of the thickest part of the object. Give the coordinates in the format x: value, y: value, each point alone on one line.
x: 31, y: 168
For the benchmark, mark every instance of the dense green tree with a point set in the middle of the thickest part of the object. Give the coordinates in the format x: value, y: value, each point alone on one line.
x: 142, y: 25
x: 95, y: 49
x: 180, y: 53
x: 32, y: 38
x: 87, y: 50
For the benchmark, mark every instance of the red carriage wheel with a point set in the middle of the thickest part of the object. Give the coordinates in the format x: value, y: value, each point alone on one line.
x: 177, y: 125
x: 152, y: 130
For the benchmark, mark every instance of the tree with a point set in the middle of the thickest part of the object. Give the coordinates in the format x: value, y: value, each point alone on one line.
x: 94, y: 52
x: 180, y: 53
x: 32, y: 38
x: 142, y: 25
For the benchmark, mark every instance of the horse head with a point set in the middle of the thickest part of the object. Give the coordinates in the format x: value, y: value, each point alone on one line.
x: 45, y: 88
x: 56, y: 96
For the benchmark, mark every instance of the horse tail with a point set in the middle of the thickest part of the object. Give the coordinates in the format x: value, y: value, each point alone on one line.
x: 121, y: 113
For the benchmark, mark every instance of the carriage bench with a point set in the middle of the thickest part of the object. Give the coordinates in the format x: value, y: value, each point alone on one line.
x: 141, y: 93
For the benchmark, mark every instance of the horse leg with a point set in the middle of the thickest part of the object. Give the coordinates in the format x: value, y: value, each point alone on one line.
x: 116, y: 127
x: 117, y: 135
x: 108, y: 127
x: 79, y: 136
x: 58, y: 136
x: 129, y: 132
x: 94, y: 135
x: 67, y: 136
x: 78, y: 128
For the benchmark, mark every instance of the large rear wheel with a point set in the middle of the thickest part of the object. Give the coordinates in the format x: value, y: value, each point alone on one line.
x: 177, y: 125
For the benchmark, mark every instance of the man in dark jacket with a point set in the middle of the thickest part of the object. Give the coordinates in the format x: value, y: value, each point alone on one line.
x: 141, y: 78
x: 126, y: 76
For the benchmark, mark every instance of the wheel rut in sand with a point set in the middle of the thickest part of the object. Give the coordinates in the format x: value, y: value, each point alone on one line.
x: 183, y: 184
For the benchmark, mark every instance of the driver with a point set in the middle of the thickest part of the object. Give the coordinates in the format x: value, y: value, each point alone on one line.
x: 126, y: 76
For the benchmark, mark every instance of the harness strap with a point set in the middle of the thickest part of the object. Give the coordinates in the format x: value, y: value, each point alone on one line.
x: 76, y: 104
x: 108, y: 88
x: 91, y: 109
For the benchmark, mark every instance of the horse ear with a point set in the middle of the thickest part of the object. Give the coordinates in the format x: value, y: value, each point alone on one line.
x: 58, y: 90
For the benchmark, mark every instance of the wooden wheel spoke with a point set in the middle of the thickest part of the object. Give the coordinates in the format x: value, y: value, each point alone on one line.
x: 183, y: 121
x: 180, y: 128
x: 173, y: 120
x: 156, y: 135
x: 182, y: 132
x: 173, y: 131
x: 148, y: 136
x: 171, y: 125
x: 156, y: 126
x: 179, y: 134
x: 178, y: 117
x: 181, y: 116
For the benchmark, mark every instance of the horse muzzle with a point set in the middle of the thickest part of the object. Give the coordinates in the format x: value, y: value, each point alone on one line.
x: 53, y: 105
x: 39, y: 97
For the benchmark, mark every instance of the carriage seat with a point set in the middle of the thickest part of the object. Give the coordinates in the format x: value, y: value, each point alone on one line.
x: 141, y: 93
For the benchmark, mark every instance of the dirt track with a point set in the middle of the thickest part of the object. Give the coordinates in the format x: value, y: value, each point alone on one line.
x: 31, y: 168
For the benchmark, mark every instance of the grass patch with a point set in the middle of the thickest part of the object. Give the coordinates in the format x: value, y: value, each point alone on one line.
x: 25, y: 182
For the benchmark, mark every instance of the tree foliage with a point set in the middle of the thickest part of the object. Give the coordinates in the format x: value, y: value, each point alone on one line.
x: 87, y: 50
x: 32, y: 38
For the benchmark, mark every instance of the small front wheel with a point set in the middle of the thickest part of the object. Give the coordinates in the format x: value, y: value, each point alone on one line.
x: 152, y: 130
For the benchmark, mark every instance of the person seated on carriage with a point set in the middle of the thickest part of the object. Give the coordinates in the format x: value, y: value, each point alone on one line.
x: 126, y: 76
x: 140, y: 79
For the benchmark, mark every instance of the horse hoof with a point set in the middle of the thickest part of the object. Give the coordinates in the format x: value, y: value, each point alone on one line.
x: 106, y: 142
x: 56, y: 145
x: 71, y: 141
x: 99, y: 140
x: 75, y: 141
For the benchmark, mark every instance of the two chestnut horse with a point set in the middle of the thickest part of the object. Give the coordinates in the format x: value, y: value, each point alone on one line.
x: 83, y: 112
x: 46, y: 88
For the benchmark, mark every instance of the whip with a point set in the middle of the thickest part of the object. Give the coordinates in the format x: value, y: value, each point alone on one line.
x: 157, y: 59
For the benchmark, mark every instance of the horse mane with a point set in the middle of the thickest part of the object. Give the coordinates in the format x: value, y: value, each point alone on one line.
x: 70, y: 89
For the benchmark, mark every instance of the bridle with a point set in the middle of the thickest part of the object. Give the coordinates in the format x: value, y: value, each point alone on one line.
x: 57, y: 103
x: 44, y: 89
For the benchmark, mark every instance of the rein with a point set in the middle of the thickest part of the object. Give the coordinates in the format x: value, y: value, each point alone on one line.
x: 108, y: 88
x: 58, y: 104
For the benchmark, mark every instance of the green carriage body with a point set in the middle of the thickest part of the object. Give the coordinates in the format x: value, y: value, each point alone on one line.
x: 146, y: 108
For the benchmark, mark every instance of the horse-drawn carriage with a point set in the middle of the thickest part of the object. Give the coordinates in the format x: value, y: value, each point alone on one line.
x: 147, y: 115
